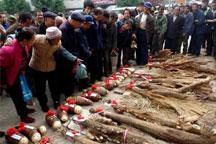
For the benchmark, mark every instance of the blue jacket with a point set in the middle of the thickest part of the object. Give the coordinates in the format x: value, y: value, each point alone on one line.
x: 188, y: 27
x: 69, y: 39
x: 95, y: 36
x: 211, y: 26
x: 199, y: 22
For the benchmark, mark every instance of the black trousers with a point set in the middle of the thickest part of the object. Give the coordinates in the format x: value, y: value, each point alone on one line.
x: 17, y: 97
x: 171, y: 44
x: 157, y: 43
x: 209, y: 37
x: 185, y: 43
x: 142, y: 48
x: 196, y: 43
x: 40, y: 79
x: 107, y: 63
x: 214, y: 43
x: 95, y: 65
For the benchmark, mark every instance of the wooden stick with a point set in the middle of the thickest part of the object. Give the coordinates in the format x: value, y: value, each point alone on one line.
x: 193, y: 85
x: 113, y: 132
x: 162, y: 132
x: 170, y: 94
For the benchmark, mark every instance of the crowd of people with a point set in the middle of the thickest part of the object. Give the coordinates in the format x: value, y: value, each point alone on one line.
x: 50, y: 47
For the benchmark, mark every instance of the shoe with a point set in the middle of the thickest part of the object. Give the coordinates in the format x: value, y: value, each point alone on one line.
x: 27, y: 119
x: 45, y: 108
x: 29, y: 111
x: 2, y: 133
x: 56, y: 105
x: 190, y: 54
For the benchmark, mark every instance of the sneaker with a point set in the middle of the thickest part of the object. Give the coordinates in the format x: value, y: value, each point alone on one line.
x: 27, y: 119
x: 45, y: 108
x: 29, y: 111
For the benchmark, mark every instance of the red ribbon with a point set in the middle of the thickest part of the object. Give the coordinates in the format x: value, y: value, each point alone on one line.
x: 149, y: 77
x: 89, y: 93
x: 107, y: 83
x: 83, y: 94
x: 50, y: 113
x: 120, y: 70
x: 71, y: 101
x: 114, y: 102
x: 21, y: 126
x: 45, y: 140
x: 12, y: 131
x: 130, y: 85
x: 114, y: 76
x: 79, y: 117
x: 126, y: 66
x: 94, y: 86
x: 149, y: 59
x: 99, y: 109
x: 63, y: 108
x: 74, y: 132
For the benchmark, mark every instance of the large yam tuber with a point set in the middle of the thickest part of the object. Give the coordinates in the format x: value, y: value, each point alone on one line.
x: 162, y: 132
x: 14, y: 137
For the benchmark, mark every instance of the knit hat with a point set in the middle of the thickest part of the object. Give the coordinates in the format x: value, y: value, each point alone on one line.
x: 53, y: 32
x: 148, y: 5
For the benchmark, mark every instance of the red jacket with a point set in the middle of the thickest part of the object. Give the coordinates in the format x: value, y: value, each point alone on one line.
x: 11, y: 59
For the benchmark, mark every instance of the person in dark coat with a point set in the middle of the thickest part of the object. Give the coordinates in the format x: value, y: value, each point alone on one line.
x: 199, y: 30
x: 70, y: 43
x: 143, y: 23
x: 211, y: 28
x: 124, y: 34
x: 188, y: 27
x: 95, y: 39
x: 110, y: 40
x: 84, y: 50
x: 174, y: 30
x: 49, y: 20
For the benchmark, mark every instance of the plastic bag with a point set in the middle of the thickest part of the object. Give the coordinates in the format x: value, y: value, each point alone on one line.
x: 81, y: 72
x: 27, y: 94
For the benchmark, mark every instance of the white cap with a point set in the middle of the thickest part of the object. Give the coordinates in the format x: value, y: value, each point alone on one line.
x: 53, y: 32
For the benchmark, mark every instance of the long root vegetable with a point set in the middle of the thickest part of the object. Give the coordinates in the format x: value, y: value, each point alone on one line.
x: 83, y: 101
x: 95, y: 97
x: 42, y: 130
x: 162, y: 132
x: 100, y: 90
x: 14, y: 137
x: 52, y: 120
x: 62, y: 113
x: 30, y: 132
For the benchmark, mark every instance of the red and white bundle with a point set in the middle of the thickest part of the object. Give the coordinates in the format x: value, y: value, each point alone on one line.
x: 93, y: 96
x: 73, y: 108
x: 30, y: 132
x: 13, y: 136
x: 52, y: 120
x: 82, y: 101
x: 62, y: 113
x: 99, y: 89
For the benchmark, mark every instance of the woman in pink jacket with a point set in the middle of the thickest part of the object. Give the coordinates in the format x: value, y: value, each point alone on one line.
x: 13, y: 59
